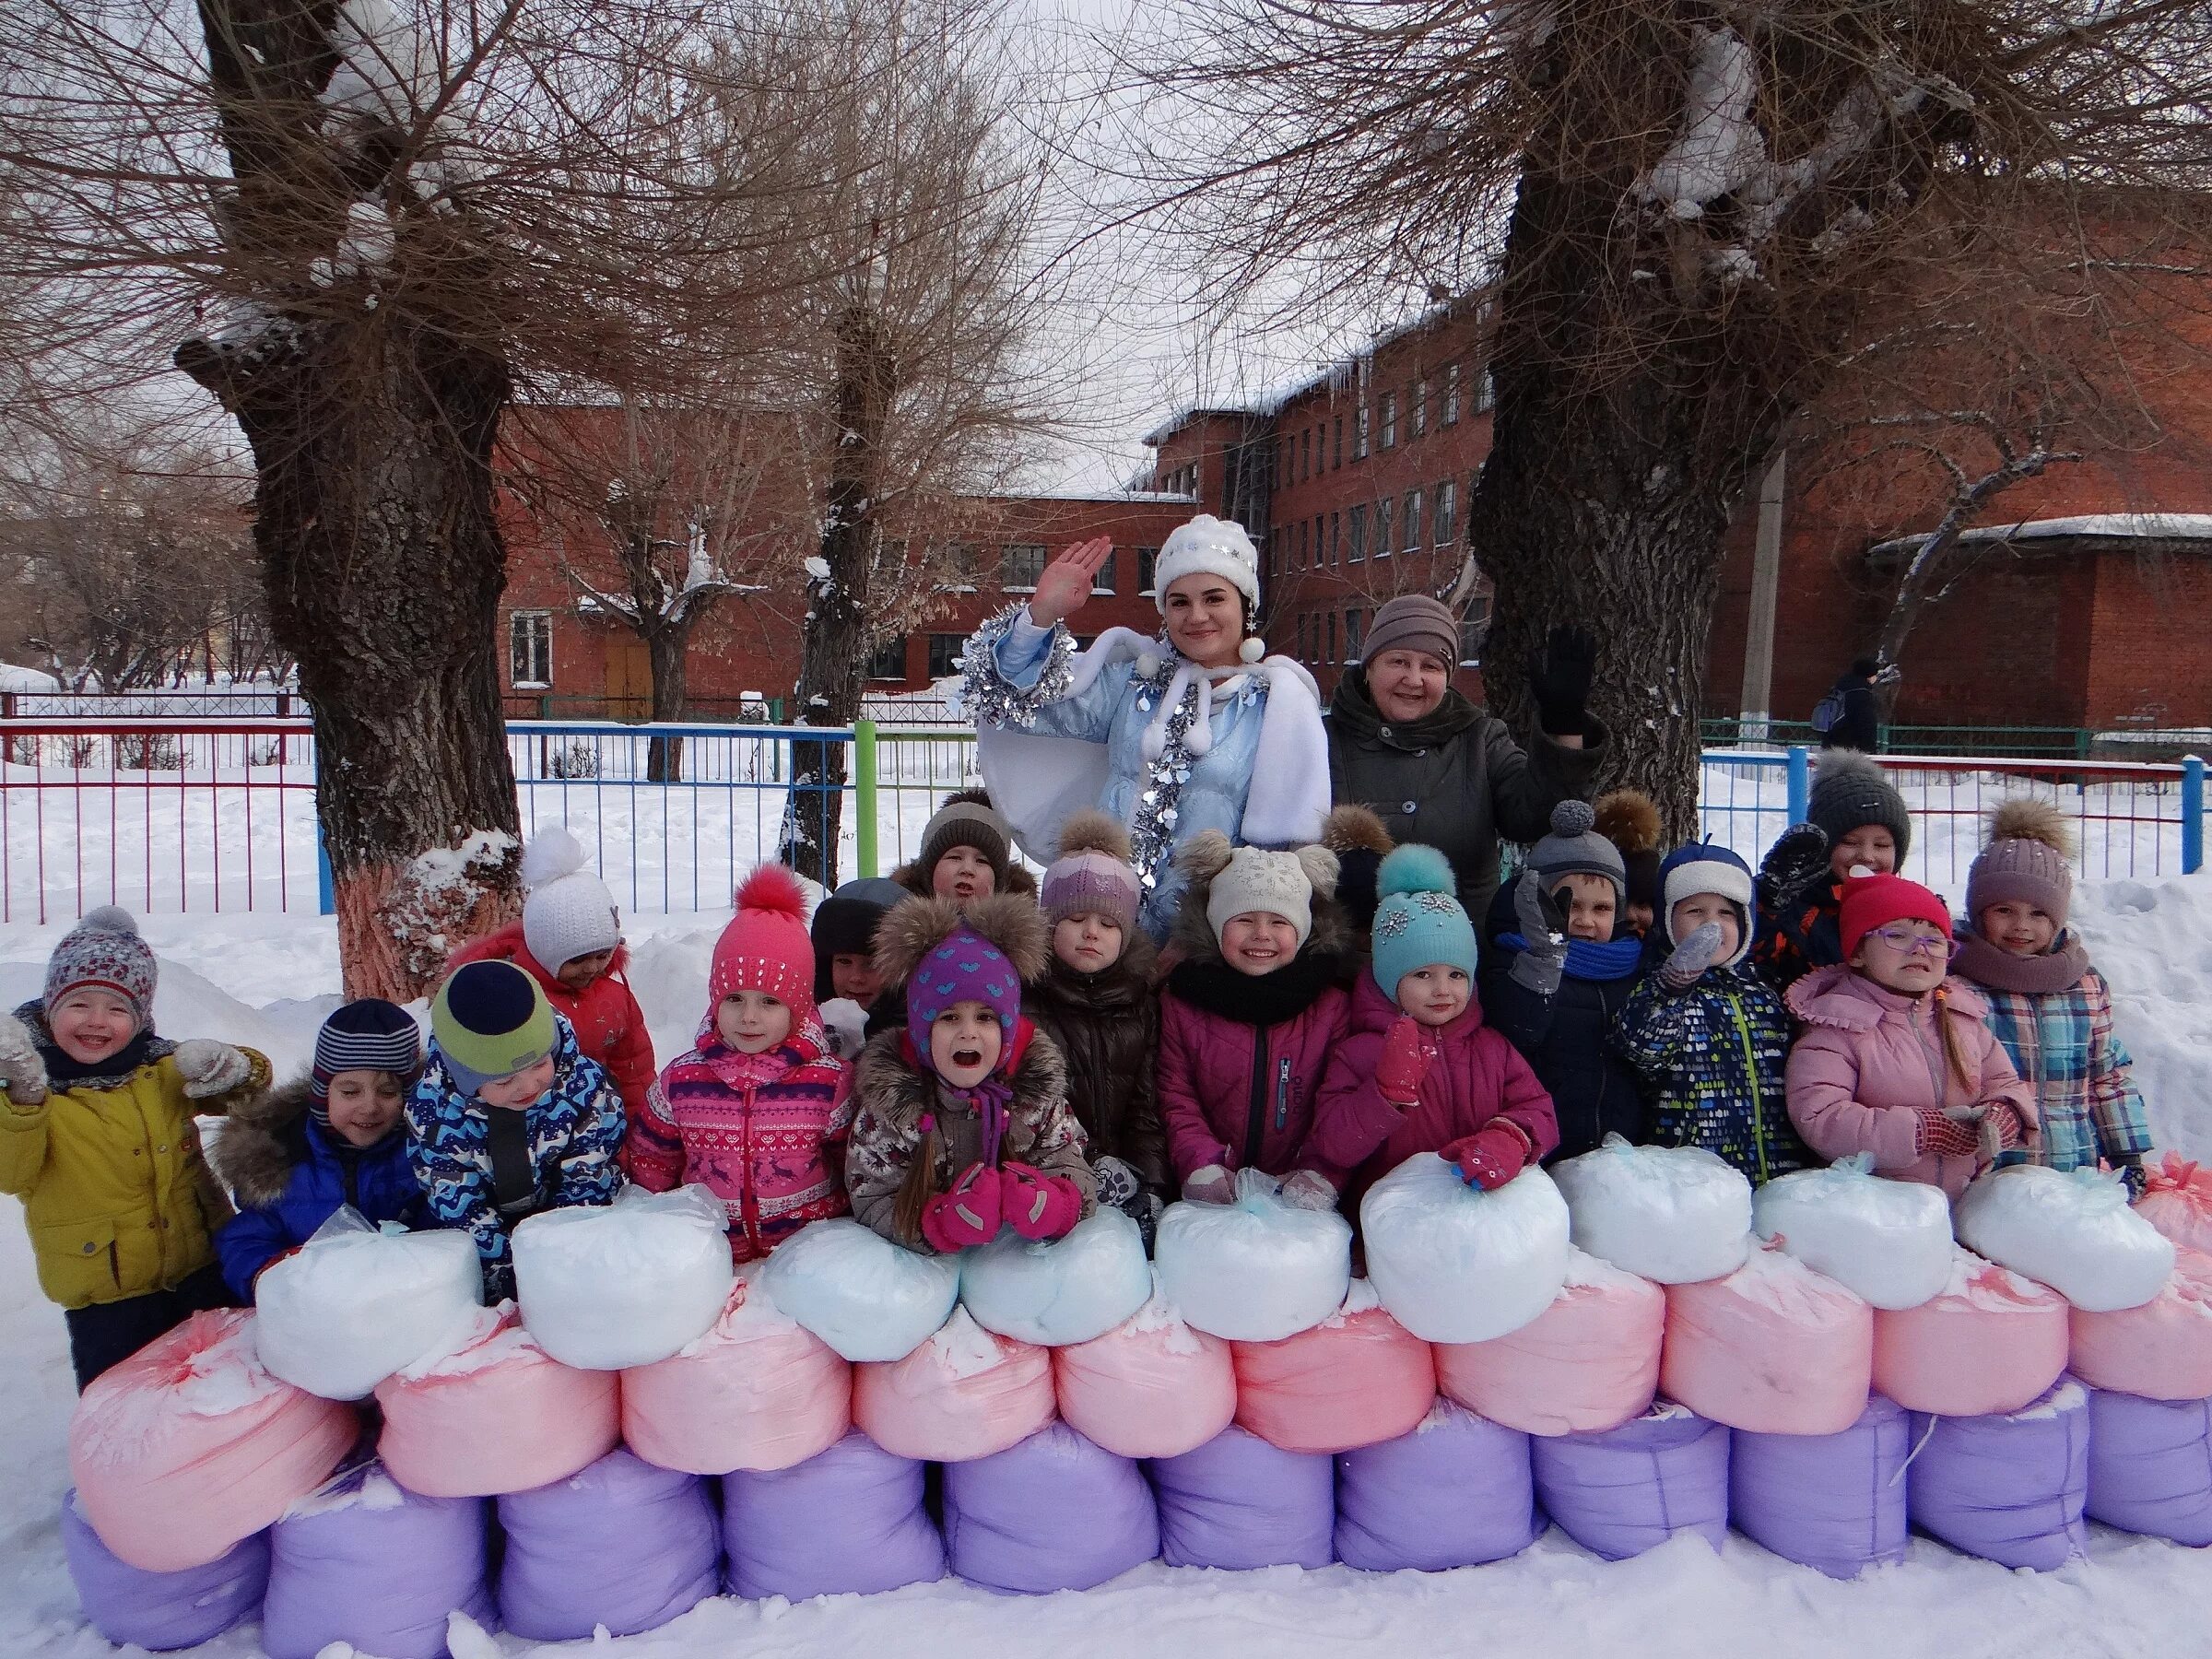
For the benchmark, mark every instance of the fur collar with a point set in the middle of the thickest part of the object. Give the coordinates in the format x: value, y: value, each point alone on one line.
x: 264, y: 1140
x: 897, y: 1094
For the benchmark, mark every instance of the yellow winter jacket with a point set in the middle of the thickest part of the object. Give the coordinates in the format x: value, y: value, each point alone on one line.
x: 115, y: 1189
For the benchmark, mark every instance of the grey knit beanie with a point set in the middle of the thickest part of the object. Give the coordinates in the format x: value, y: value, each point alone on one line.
x: 2024, y: 861
x: 1575, y: 848
x: 1851, y: 792
x: 965, y: 821
x: 1413, y: 622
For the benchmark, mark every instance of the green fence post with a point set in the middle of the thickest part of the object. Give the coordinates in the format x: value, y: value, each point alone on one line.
x: 864, y: 795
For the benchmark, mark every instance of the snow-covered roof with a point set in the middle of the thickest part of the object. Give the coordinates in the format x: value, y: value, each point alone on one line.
x: 2111, y: 526
x: 1173, y: 496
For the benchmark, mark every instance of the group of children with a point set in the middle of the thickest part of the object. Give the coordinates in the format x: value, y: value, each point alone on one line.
x: 963, y: 1049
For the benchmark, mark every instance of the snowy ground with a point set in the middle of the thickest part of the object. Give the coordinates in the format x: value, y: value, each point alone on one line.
x: 268, y: 981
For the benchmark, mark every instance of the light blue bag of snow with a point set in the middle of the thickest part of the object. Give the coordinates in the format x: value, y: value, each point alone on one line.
x: 850, y: 1521
x: 623, y: 1545
x: 1258, y: 1270
x: 1238, y: 1502
x: 1455, y: 1492
x: 1887, y: 1242
x: 2150, y: 1466
x: 1456, y: 1263
x: 1628, y: 1489
x: 1054, y: 1512
x: 2070, y: 1229
x: 2008, y: 1488
x: 1831, y: 1502
x: 161, y: 1610
x: 1058, y: 1293
x: 864, y: 1296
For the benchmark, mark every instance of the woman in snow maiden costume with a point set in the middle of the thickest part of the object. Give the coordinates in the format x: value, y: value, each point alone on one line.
x: 1171, y: 736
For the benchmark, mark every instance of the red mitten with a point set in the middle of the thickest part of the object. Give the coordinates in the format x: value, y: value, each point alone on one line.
x: 1404, y: 1063
x: 966, y: 1216
x: 2012, y: 1132
x: 1493, y: 1154
x: 1038, y: 1206
x: 1948, y: 1136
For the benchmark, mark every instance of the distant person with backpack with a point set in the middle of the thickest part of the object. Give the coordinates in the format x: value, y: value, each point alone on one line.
x: 1850, y: 716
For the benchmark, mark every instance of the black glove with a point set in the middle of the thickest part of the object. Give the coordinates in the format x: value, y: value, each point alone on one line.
x: 1560, y: 681
x: 1544, y: 927
x: 1796, y: 861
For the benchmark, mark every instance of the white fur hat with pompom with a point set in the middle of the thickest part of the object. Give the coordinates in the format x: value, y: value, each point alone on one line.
x: 568, y: 911
x: 1208, y: 547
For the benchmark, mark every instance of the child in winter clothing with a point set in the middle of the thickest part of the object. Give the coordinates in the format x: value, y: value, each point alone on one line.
x: 845, y: 981
x: 1629, y: 819
x: 569, y: 941
x: 97, y: 1138
x: 967, y: 854
x: 1708, y: 1036
x: 1858, y: 825
x: 1556, y: 972
x: 1250, y: 1016
x: 1094, y: 1000
x: 508, y: 1117
x: 964, y: 1123
x: 1419, y: 1071
x: 1892, y: 1060
x: 758, y: 1109
x: 2051, y: 1009
x: 294, y: 1156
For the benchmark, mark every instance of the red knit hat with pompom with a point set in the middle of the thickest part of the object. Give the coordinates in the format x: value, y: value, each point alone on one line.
x: 766, y: 946
x: 1872, y: 902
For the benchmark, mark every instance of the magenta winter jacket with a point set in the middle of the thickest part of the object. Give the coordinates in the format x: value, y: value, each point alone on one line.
x: 1237, y: 1093
x: 1868, y: 1059
x: 1477, y: 1076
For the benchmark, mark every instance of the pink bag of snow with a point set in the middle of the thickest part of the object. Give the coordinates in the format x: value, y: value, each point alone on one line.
x: 1991, y: 1342
x: 759, y: 1391
x: 963, y: 1393
x: 497, y: 1415
x: 1150, y: 1387
x: 1588, y: 1362
x: 2161, y: 1350
x: 2177, y: 1200
x: 190, y: 1446
x: 1774, y: 1347
x: 1356, y: 1379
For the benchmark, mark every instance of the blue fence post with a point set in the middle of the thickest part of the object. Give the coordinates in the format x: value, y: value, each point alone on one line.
x: 1801, y: 782
x: 2193, y: 814
x: 326, y: 891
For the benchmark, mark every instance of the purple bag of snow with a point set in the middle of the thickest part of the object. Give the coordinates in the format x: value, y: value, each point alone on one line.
x: 1238, y: 1501
x: 364, y: 1560
x: 2151, y: 1466
x: 1057, y: 1511
x: 1628, y: 1489
x: 2006, y: 1488
x: 161, y: 1610
x: 623, y: 1545
x: 846, y: 1522
x: 1834, y: 1501
x: 1455, y: 1492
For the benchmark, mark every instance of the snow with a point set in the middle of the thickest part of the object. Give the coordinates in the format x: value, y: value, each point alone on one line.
x: 13, y: 678
x: 818, y: 568
x: 2124, y: 526
x: 1720, y: 149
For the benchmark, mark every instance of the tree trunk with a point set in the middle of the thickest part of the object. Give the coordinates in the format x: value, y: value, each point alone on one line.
x: 668, y: 649
x: 384, y: 565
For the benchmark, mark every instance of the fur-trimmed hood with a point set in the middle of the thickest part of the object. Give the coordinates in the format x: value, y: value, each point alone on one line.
x: 1020, y: 883
x: 897, y: 1095
x: 263, y: 1141
x: 915, y: 926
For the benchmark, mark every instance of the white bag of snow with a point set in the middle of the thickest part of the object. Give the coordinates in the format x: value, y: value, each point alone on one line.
x: 608, y: 1286
x: 1675, y: 1214
x: 1257, y: 1270
x: 2072, y: 1230
x: 1066, y: 1291
x: 354, y: 1304
x: 864, y: 1296
x: 1889, y: 1241
x: 1456, y: 1263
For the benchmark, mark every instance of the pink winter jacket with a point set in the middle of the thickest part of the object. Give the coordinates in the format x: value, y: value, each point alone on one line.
x: 1476, y: 1076
x: 1869, y: 1060
x: 1235, y: 1093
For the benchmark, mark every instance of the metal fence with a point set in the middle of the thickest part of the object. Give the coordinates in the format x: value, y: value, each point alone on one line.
x: 218, y: 815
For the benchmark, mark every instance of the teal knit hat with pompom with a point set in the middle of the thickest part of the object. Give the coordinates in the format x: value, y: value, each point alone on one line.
x: 1418, y: 922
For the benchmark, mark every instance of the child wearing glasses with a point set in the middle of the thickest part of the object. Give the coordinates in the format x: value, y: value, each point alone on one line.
x: 1895, y: 1058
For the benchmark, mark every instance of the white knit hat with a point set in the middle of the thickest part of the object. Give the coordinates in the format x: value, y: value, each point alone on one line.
x: 1281, y: 884
x: 1211, y: 547
x: 569, y: 913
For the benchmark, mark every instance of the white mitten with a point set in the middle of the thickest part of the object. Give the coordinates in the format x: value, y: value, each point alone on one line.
x: 22, y: 1073
x: 210, y: 1068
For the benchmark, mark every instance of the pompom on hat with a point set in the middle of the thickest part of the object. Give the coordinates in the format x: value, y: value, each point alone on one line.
x: 1575, y: 848
x: 765, y: 947
x: 103, y: 950
x: 2025, y: 861
x: 1093, y: 875
x: 569, y: 911
x: 1629, y: 819
x: 1419, y: 922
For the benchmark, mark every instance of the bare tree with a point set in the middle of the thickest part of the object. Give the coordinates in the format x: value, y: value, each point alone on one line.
x: 1683, y: 207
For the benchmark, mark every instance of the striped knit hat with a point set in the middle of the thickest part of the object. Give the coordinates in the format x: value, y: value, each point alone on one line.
x: 490, y: 1020
x: 368, y: 1035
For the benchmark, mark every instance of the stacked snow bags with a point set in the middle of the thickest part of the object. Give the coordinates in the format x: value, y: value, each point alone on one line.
x: 1151, y: 1387
x: 1258, y: 1270
x: 1238, y: 1502
x: 1588, y: 1362
x: 623, y: 1545
x: 963, y: 1393
x: 1831, y: 1502
x: 1358, y: 1378
x: 1773, y: 1348
x: 2150, y: 1466
x: 367, y: 1562
x: 496, y: 1415
x: 1889, y: 1242
x: 2162, y: 1349
x: 2177, y: 1200
x: 604, y: 1288
x: 1454, y: 1263
x: 1054, y: 1512
x: 131, y: 1607
x: 2072, y: 1230
x: 1674, y: 1215
x: 759, y: 1391
x: 354, y: 1304
x: 848, y: 1521
x: 2007, y: 1488
x: 1628, y: 1489
x: 1055, y: 1292
x: 1455, y: 1492
x: 1991, y: 1342
x: 190, y: 1447
x: 859, y: 1293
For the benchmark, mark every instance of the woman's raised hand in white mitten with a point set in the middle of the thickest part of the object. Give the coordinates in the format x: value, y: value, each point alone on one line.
x: 1065, y: 583
x: 22, y: 1073
x: 210, y: 1068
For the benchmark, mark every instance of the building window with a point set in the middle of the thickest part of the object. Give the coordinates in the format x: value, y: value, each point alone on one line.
x: 1336, y: 537
x: 1451, y: 394
x: 1305, y: 528
x: 1102, y: 580
x: 1358, y: 547
x: 1019, y: 565
x: 530, y: 649
x: 1360, y: 431
x: 1412, y: 527
x: 1332, y: 651
x: 1485, y: 393
x: 1337, y: 452
x: 1447, y: 513
x: 945, y: 653
x: 1473, y: 625
x: 1302, y: 636
x: 1420, y: 407
x: 1306, y: 449
x: 1355, y: 629
x: 1390, y: 421
x: 1144, y: 559
x: 888, y: 662
x: 1383, y: 510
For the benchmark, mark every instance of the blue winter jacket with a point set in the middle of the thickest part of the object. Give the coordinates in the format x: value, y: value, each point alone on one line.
x: 290, y: 1175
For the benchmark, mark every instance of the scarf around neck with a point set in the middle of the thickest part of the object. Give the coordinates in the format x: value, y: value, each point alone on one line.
x: 1588, y: 960
x: 2058, y: 968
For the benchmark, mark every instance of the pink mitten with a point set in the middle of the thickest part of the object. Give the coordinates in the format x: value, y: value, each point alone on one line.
x: 966, y: 1216
x: 1403, y: 1063
x: 1038, y: 1206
